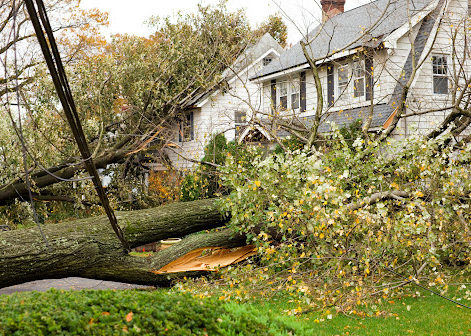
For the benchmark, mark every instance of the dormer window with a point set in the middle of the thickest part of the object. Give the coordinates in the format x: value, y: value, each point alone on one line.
x: 358, y: 73
x: 267, y: 60
x: 440, y: 74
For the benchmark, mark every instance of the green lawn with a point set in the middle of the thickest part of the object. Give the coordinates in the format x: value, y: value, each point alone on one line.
x: 165, y: 313
x: 429, y: 315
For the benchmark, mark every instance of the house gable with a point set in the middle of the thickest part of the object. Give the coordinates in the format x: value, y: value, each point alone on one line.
x: 223, y: 108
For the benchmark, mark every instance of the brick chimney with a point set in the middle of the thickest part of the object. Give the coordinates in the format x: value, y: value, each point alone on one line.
x: 330, y: 8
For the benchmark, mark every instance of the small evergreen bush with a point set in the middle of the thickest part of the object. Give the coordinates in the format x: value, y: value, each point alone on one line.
x: 204, y: 181
x: 134, y: 312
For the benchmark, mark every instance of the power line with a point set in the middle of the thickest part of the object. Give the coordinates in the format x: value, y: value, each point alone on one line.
x: 425, y: 288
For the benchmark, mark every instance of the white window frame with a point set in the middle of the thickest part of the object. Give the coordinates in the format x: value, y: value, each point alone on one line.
x: 291, y: 91
x: 240, y: 124
x: 342, y: 87
x: 358, y: 74
x: 295, y: 94
x: 440, y: 72
x: 282, y: 91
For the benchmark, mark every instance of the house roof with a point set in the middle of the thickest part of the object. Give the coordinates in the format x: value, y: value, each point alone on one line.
x: 251, y: 54
x: 247, y: 57
x: 349, y: 30
x: 342, y: 118
x: 380, y: 115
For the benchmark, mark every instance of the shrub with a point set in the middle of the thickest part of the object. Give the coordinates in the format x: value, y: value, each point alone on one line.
x: 205, y: 181
x: 164, y: 186
x: 292, y: 144
x: 124, y: 313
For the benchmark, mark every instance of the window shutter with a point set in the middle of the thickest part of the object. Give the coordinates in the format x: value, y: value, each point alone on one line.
x: 330, y: 85
x: 369, y: 79
x: 192, y: 127
x: 302, y: 91
x: 180, y: 130
x: 273, y: 95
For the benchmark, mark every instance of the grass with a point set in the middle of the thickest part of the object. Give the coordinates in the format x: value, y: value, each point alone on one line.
x: 163, y: 312
x: 426, y: 315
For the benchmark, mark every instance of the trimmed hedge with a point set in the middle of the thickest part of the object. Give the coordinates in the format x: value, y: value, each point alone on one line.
x: 133, y: 312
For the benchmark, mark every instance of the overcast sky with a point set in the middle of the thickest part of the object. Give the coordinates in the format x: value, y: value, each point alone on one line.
x: 129, y: 16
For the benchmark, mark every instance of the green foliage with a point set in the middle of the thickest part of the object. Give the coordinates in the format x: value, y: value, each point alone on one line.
x: 122, y: 89
x: 205, y: 181
x: 351, y: 132
x: 291, y: 144
x: 300, y: 211
x: 277, y: 28
x: 410, y: 312
x: 192, y: 187
x: 104, y: 313
x: 216, y: 150
x: 126, y: 313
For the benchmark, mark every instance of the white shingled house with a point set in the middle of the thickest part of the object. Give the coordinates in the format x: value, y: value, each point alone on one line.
x: 223, y: 109
x: 364, y: 56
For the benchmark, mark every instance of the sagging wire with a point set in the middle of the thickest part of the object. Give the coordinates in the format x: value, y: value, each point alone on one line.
x: 56, y: 69
x: 416, y: 282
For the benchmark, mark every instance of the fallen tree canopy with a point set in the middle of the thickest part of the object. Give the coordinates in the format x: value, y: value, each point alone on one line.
x: 89, y: 248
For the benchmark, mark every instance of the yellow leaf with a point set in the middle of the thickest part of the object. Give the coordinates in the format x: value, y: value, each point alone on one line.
x: 129, y: 317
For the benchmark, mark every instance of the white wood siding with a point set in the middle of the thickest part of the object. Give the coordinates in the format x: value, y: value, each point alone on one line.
x: 217, y: 116
x: 421, y: 94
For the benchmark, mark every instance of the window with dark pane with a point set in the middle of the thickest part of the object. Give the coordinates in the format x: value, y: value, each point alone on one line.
x: 342, y: 79
x: 283, y: 95
x: 267, y: 60
x: 295, y: 95
x: 358, y: 73
x: 186, y: 129
x: 240, y: 121
x: 440, y: 74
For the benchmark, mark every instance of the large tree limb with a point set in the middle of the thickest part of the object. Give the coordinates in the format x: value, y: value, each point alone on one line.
x: 89, y: 248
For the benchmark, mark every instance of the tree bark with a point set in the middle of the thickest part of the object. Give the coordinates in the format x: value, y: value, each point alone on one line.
x: 89, y: 248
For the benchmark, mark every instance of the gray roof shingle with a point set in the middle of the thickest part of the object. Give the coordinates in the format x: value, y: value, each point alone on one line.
x: 381, y: 113
x: 378, y: 18
x: 343, y: 118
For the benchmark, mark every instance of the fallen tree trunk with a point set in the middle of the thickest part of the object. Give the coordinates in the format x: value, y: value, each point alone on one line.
x: 89, y: 248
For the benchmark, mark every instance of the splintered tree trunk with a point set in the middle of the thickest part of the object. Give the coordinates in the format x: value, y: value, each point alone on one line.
x: 89, y: 247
